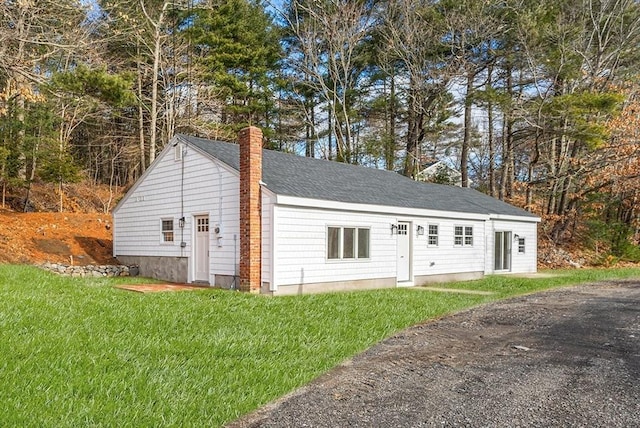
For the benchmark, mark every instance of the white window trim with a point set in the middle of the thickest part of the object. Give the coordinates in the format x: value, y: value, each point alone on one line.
x: 468, y: 236
x: 341, y: 258
x: 162, y: 231
x: 429, y: 235
x: 464, y: 236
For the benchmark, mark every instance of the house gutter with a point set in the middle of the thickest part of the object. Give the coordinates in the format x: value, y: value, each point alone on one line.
x: 379, y: 209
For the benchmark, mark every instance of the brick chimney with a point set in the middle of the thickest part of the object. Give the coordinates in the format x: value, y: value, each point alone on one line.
x: 250, y: 140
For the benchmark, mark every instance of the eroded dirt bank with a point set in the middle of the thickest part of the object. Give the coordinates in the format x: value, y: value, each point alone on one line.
x: 70, y: 238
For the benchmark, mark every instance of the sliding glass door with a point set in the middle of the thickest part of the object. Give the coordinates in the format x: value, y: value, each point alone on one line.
x: 502, y: 251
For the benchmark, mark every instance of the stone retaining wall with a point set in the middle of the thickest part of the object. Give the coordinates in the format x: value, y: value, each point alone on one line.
x: 91, y: 270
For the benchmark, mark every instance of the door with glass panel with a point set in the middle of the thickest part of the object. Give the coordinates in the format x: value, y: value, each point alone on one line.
x: 202, y: 249
x: 502, y: 251
x: 404, y: 252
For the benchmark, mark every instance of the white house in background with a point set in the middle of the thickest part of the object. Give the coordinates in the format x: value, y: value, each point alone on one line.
x: 439, y: 169
x: 238, y: 216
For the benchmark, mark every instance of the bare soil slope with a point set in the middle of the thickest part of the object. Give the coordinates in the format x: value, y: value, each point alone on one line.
x: 80, y: 235
x: 70, y: 238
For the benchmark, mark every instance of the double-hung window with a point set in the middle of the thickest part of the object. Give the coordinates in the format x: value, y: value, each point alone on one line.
x: 521, y: 245
x: 167, y: 230
x: 433, y: 235
x: 468, y: 235
x: 463, y: 235
x: 347, y: 243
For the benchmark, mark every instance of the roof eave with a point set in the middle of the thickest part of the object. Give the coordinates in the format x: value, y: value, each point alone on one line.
x: 378, y: 209
x: 530, y: 218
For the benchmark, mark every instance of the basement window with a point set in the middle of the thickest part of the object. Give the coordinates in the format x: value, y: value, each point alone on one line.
x: 347, y: 243
x: 167, y: 230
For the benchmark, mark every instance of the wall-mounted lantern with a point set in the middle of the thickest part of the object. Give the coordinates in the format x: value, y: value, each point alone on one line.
x: 181, y: 222
x: 394, y: 229
x: 420, y: 230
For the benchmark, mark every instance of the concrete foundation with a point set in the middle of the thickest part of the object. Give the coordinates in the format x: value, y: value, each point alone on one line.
x: 172, y: 269
x: 367, y: 284
x: 447, y: 277
x: 175, y: 269
x: 325, y: 287
x: 227, y: 282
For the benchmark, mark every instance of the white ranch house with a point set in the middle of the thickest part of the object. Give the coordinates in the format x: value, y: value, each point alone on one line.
x: 239, y: 216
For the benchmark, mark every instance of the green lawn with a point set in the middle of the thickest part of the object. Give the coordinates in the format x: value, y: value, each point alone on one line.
x: 78, y: 352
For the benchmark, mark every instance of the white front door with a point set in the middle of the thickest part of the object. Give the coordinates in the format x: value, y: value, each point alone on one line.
x: 404, y: 252
x: 202, y: 249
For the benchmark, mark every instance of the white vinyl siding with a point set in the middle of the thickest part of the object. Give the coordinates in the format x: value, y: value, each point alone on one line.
x: 303, y: 250
x: 209, y: 188
x: 447, y: 257
x: 267, y: 236
x: 520, y: 262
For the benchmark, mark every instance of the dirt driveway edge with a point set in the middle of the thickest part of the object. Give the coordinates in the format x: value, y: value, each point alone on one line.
x: 565, y: 357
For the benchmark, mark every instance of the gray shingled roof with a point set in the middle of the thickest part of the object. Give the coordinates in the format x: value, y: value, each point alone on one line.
x: 292, y: 175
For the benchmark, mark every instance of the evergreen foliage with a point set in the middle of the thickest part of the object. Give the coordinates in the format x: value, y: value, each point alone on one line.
x: 530, y: 97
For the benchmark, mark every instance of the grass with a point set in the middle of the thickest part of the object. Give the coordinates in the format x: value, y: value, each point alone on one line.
x: 78, y: 352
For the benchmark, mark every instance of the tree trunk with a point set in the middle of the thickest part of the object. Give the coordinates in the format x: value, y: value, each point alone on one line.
x: 490, y: 137
x: 532, y: 164
x: 143, y: 160
x: 154, y: 97
x: 508, y: 163
x: 390, y: 144
x: 553, y: 172
x: 310, y: 127
x: 466, y: 140
x: 414, y: 119
x: 155, y: 78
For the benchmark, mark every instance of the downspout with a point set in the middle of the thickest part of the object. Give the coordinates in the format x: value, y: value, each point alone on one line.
x: 273, y: 287
x: 181, y: 220
x: 219, y: 225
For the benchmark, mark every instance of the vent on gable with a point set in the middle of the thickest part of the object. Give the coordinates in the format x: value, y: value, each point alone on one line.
x: 177, y: 152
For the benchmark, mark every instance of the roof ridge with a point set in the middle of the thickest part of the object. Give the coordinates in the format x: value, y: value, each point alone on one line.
x: 294, y: 175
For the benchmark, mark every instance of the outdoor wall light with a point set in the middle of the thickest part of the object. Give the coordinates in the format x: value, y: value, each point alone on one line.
x: 394, y: 229
x: 181, y: 222
x: 516, y: 237
x: 420, y: 230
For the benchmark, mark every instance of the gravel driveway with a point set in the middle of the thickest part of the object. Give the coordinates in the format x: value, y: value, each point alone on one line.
x: 568, y: 357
